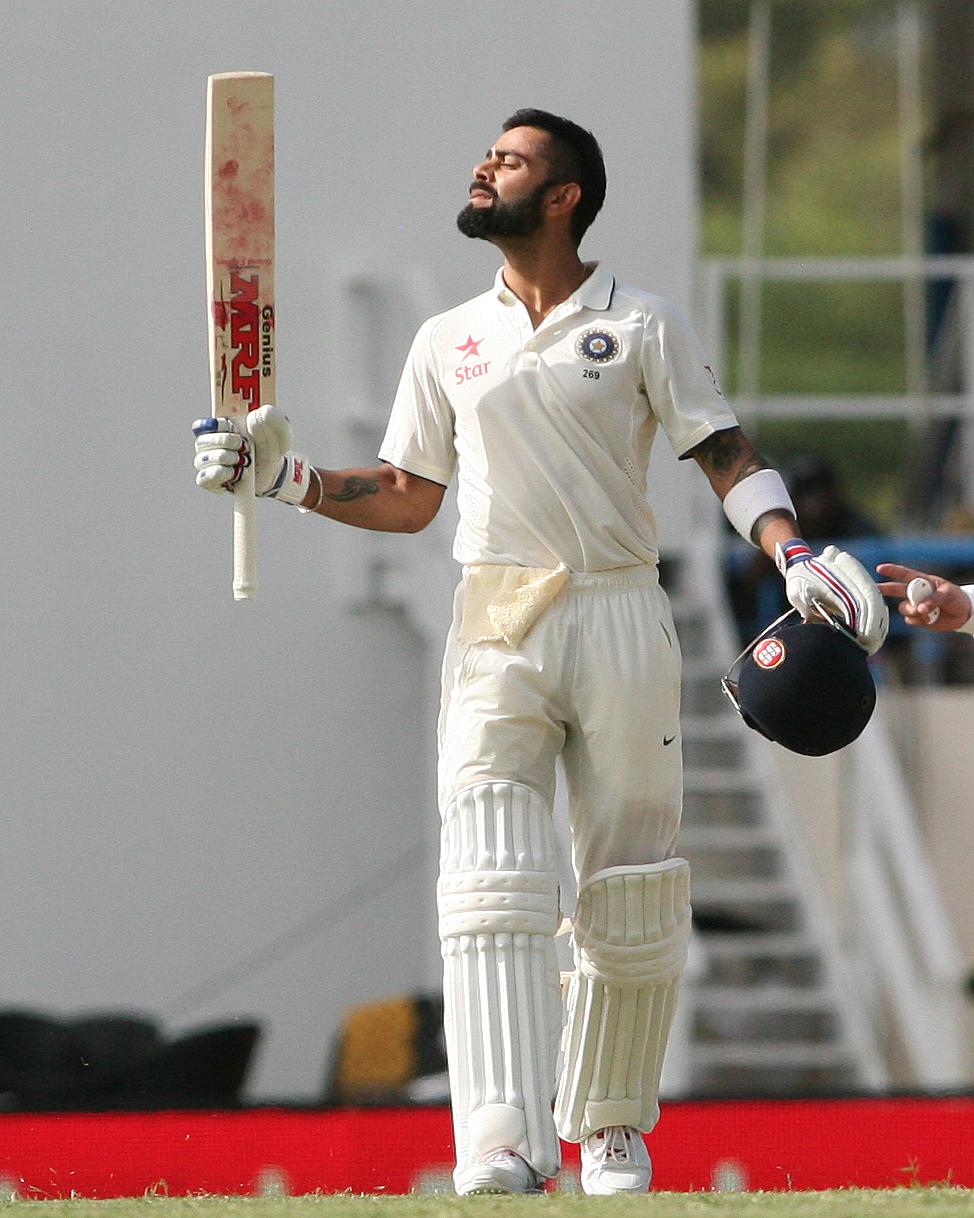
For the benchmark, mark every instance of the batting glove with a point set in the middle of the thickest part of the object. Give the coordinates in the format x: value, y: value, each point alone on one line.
x: 223, y: 452
x: 840, y: 583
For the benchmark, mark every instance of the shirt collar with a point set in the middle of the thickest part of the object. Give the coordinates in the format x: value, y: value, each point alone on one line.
x: 594, y: 292
x: 501, y: 290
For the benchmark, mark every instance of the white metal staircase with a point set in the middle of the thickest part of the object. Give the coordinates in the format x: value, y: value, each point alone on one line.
x: 877, y: 991
x: 790, y: 996
x: 768, y: 1014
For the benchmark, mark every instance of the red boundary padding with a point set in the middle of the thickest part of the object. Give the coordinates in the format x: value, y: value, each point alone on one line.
x: 753, y: 1144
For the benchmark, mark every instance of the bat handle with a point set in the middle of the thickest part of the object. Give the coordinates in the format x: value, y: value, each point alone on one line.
x: 244, y: 538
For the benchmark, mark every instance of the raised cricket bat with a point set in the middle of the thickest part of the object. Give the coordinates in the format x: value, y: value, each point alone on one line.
x: 239, y: 223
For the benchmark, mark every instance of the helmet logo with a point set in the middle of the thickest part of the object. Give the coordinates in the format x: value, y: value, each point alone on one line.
x: 769, y: 653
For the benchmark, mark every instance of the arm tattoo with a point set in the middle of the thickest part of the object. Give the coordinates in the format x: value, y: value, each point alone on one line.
x: 729, y: 451
x: 355, y: 487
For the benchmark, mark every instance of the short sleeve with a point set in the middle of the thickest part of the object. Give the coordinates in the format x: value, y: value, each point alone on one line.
x: 968, y: 627
x: 419, y: 437
x: 680, y: 383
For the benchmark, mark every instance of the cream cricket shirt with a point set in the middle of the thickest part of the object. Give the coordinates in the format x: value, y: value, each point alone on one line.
x: 550, y: 430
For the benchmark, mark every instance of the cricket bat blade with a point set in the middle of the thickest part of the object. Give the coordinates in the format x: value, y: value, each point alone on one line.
x: 241, y: 316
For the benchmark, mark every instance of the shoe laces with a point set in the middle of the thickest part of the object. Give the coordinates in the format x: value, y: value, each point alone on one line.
x: 613, y: 1143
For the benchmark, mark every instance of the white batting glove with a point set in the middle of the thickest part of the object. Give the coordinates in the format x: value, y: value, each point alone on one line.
x: 223, y: 452
x: 840, y: 583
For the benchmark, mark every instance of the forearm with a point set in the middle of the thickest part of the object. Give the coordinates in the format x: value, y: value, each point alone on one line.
x: 729, y: 459
x: 381, y: 498
x: 757, y: 503
x: 772, y: 528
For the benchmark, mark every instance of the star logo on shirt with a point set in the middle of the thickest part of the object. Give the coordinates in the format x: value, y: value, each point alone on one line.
x: 470, y: 347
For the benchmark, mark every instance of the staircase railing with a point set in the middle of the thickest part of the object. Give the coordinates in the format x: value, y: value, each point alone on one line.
x: 838, y: 965
x: 900, y: 936
x: 899, y: 942
x: 896, y: 964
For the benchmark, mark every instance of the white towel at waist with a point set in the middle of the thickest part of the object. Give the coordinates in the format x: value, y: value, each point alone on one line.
x: 501, y: 604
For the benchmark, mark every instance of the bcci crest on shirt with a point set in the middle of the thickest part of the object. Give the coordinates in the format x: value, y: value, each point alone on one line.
x: 598, y: 346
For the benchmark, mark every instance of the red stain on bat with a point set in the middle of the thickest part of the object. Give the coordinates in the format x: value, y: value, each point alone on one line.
x: 221, y: 314
x: 229, y: 169
x: 243, y: 216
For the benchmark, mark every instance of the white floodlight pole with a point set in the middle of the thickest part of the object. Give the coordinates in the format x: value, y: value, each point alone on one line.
x: 756, y: 107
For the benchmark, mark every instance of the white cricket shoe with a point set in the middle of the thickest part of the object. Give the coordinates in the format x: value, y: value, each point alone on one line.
x: 499, y: 1171
x: 615, y: 1160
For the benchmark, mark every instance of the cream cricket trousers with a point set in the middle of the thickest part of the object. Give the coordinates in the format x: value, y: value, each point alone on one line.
x: 597, y: 680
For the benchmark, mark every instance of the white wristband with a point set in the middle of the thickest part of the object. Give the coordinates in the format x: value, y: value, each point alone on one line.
x: 968, y: 627
x: 760, y: 492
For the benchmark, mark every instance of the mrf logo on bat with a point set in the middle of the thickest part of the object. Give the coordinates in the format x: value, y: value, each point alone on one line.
x: 251, y: 337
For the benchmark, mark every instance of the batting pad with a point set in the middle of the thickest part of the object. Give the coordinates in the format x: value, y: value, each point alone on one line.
x: 632, y: 927
x: 498, y: 911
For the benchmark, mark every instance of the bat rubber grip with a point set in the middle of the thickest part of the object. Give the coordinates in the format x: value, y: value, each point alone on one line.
x: 244, y: 538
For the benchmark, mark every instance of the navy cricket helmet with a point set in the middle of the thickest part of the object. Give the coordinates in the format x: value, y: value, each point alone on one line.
x: 805, y: 685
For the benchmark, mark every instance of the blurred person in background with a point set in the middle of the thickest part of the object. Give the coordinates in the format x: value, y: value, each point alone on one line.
x: 824, y: 513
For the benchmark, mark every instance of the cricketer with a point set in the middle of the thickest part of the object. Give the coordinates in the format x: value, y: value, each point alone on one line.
x: 543, y: 395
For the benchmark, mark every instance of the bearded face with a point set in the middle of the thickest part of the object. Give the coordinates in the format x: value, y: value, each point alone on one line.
x: 520, y: 218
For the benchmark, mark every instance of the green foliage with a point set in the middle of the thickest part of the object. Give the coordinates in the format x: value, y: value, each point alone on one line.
x: 832, y: 190
x: 833, y: 140
x: 825, y: 338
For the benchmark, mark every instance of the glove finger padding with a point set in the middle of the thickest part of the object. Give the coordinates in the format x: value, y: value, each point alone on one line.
x: 815, y: 579
x: 270, y: 431
x: 217, y: 477
x: 221, y: 442
x: 221, y: 454
x: 211, y: 424
x: 845, y: 588
x: 873, y: 612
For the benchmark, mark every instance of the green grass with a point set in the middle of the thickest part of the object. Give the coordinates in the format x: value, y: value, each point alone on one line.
x: 934, y: 1202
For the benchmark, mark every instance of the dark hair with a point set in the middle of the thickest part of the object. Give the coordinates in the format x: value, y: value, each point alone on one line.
x: 575, y: 157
